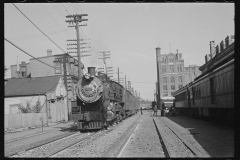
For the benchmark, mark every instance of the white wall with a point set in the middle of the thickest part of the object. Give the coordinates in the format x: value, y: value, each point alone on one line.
x: 24, y: 120
x: 14, y: 101
x: 61, y: 89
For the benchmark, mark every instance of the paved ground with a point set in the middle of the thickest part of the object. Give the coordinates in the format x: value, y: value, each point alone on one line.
x: 210, y: 139
x: 145, y: 141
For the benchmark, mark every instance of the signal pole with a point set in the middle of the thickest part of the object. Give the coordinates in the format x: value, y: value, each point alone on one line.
x: 77, y: 18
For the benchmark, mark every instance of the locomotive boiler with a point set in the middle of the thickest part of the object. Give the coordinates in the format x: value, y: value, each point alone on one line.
x: 100, y: 101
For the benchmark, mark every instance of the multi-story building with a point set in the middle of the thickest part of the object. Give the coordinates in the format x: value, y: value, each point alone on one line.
x: 50, y: 65
x: 172, y: 73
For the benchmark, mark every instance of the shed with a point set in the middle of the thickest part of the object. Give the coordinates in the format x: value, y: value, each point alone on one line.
x: 49, y: 91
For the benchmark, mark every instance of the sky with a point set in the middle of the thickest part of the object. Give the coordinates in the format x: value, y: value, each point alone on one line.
x: 130, y: 31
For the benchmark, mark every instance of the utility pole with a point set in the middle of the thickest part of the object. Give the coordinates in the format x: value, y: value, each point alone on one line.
x: 77, y: 18
x: 136, y: 94
x: 118, y: 75
x: 105, y: 56
x: 158, y: 84
x: 125, y: 82
x: 154, y: 95
x: 129, y: 86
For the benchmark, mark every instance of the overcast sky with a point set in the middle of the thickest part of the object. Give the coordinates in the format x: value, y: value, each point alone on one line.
x: 130, y: 31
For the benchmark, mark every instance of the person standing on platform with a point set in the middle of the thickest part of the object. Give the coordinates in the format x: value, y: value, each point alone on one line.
x: 141, y: 110
x: 163, y: 108
x: 153, y: 106
x: 155, y: 110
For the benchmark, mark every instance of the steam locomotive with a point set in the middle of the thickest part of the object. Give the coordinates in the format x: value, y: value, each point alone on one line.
x: 101, y: 102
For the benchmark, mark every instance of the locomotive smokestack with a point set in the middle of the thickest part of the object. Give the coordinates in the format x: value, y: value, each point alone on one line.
x: 91, y: 70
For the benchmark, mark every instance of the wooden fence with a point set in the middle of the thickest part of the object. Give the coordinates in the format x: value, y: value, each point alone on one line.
x: 24, y: 120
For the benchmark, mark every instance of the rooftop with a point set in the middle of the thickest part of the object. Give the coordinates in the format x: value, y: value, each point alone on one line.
x: 31, y: 86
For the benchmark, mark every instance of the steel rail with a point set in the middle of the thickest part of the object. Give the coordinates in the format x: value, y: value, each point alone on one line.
x: 162, y: 141
x: 124, y: 145
x: 186, y: 143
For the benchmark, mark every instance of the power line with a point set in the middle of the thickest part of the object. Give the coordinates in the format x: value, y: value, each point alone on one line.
x: 143, y: 82
x: 31, y: 55
x: 39, y: 29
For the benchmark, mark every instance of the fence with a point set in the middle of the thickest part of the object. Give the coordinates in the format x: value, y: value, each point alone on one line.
x: 24, y: 120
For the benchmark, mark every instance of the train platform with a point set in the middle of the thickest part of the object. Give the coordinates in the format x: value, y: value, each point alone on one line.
x: 8, y: 137
x: 208, y: 139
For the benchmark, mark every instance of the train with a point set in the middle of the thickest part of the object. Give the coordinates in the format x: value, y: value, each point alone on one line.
x: 210, y: 95
x: 101, y: 102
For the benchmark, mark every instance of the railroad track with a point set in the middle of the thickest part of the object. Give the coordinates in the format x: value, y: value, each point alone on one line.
x: 176, y: 147
x: 18, y: 139
x: 142, y: 141
x: 168, y: 146
x: 123, y: 146
x: 54, y: 147
x: 163, y: 142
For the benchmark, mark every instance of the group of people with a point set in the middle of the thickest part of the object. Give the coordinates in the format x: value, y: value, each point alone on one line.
x: 172, y: 110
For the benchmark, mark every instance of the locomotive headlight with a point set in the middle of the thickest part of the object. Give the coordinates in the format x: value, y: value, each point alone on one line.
x: 87, y: 75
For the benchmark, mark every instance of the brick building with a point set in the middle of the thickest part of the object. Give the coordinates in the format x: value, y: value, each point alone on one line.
x: 172, y: 73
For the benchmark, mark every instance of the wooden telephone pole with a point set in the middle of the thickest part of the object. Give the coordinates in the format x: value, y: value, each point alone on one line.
x: 77, y: 18
x: 105, y: 56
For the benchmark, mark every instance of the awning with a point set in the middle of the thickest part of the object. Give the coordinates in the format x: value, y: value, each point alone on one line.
x: 165, y: 98
x: 167, y: 102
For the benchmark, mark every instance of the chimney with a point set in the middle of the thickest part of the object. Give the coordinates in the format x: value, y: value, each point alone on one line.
x: 17, y: 64
x: 217, y: 49
x: 231, y: 40
x: 49, y: 52
x: 227, y: 41
x: 206, y: 58
x: 222, y: 46
x: 158, y: 53
x: 91, y: 70
x: 212, y: 48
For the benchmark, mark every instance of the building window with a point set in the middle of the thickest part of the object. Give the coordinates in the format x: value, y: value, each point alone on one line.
x: 164, y: 80
x: 172, y: 87
x: 164, y: 59
x: 164, y: 69
x: 165, y: 94
x: 24, y: 71
x: 172, y: 79
x: 179, y: 67
x: 57, y: 67
x: 170, y: 59
x: 165, y: 87
x: 72, y: 66
x: 179, y: 79
x: 180, y: 86
x: 171, y: 68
